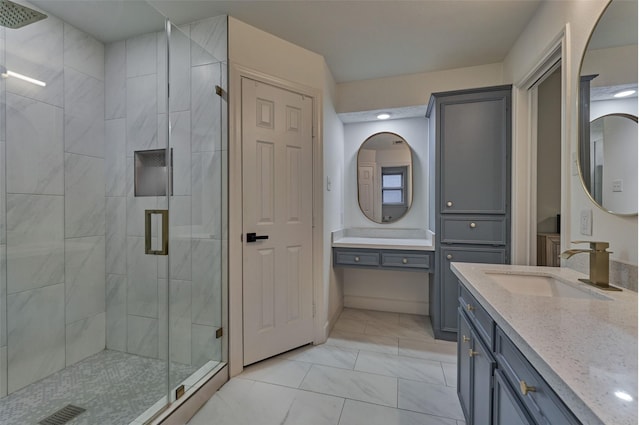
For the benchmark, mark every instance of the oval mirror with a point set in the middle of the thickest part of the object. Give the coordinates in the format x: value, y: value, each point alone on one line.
x: 385, y: 182
x: 608, y: 133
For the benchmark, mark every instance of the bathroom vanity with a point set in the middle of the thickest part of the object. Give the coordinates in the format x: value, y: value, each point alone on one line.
x: 535, y: 346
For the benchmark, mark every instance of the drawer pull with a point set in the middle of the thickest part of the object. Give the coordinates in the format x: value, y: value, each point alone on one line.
x: 473, y: 353
x: 472, y: 225
x: 449, y: 257
x: 525, y: 389
x: 449, y: 204
x: 465, y: 338
x: 405, y: 261
x: 470, y: 307
x: 356, y: 259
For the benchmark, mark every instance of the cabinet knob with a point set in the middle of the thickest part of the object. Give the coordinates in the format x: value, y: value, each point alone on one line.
x: 525, y: 389
x: 405, y: 261
x: 356, y: 259
x: 449, y: 204
x: 472, y: 225
x: 470, y: 307
x: 449, y: 257
x: 472, y: 353
x: 465, y: 338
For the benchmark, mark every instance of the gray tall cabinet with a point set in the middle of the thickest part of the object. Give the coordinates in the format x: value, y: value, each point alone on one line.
x: 470, y: 146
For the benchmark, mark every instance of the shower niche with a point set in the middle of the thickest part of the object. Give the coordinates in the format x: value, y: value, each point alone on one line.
x: 153, y: 172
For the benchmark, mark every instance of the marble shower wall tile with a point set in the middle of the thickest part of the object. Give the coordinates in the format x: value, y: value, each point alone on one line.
x: 142, y: 336
x: 161, y: 72
x: 142, y: 280
x: 206, y: 282
x: 115, y: 155
x: 84, y: 277
x: 35, y: 241
x: 115, y: 80
x: 205, y: 108
x: 142, y: 117
x: 36, y: 50
x: 116, y: 326
x: 3, y: 371
x: 209, y: 43
x: 180, y: 321
x: 3, y: 186
x: 180, y: 69
x: 141, y: 55
x: 84, y: 196
x: 206, y: 192
x: 204, y: 345
x: 3, y: 295
x: 181, y: 147
x: 83, y: 114
x: 85, y: 338
x: 83, y: 52
x: 180, y: 237
x: 136, y: 205
x: 116, y: 235
x: 36, y: 335
x: 35, y: 147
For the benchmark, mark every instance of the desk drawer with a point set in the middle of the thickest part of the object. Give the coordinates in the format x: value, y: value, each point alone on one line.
x: 542, y: 403
x: 474, y: 230
x: 405, y: 260
x: 353, y: 257
x: 477, y: 314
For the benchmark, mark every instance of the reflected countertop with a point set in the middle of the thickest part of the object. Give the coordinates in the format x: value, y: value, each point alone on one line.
x: 585, y: 348
x: 377, y: 238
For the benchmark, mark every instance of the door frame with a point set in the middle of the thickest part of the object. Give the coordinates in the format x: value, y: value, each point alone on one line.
x: 236, y: 74
x: 524, y: 193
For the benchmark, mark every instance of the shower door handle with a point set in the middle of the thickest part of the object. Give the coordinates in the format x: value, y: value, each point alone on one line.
x: 164, y: 248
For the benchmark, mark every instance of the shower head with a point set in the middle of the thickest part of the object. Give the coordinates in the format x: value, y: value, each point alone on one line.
x: 13, y: 15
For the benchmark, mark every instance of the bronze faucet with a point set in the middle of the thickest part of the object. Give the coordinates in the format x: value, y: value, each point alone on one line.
x: 598, y: 264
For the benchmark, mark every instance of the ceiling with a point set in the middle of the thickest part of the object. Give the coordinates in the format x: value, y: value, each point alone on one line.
x: 360, y: 40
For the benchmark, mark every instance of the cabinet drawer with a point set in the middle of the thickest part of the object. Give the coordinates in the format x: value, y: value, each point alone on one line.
x: 478, y: 315
x: 355, y: 257
x: 405, y: 260
x: 474, y: 230
x: 543, y: 404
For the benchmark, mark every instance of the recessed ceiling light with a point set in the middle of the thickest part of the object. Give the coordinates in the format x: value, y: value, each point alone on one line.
x: 624, y: 396
x: 624, y: 93
x: 384, y: 116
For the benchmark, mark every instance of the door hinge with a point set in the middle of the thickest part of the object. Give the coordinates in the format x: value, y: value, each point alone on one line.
x: 219, y: 333
x: 179, y: 391
x: 220, y: 92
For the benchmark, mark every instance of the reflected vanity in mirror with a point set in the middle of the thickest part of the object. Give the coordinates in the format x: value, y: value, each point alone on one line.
x: 608, y: 143
x: 385, y: 182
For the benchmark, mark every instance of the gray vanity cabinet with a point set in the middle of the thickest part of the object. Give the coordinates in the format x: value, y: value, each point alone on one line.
x: 507, y: 409
x: 470, y: 138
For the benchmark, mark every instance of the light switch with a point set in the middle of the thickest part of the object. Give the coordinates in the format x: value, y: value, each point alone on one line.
x: 585, y: 222
x: 617, y: 185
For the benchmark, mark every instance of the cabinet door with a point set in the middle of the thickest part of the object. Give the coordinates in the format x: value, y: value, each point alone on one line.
x: 449, y: 281
x: 482, y: 369
x: 474, y: 153
x: 464, y: 364
x: 507, y: 410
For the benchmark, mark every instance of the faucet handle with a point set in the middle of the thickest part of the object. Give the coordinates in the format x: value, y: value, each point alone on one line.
x: 595, y: 245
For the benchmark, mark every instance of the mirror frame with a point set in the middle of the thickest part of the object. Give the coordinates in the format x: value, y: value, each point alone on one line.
x: 580, y: 114
x: 410, y: 203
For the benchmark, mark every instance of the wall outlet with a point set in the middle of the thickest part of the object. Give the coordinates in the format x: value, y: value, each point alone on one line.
x: 585, y: 222
x: 617, y: 185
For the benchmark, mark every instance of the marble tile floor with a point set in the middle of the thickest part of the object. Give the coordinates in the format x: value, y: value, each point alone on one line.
x: 376, y: 368
x: 114, y: 387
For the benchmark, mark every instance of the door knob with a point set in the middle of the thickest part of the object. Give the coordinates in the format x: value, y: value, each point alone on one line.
x: 251, y: 237
x: 465, y: 338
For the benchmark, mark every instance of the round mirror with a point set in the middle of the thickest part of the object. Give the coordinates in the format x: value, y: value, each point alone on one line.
x: 385, y: 182
x: 608, y: 133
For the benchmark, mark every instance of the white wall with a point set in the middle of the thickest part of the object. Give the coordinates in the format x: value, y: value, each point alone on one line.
x: 547, y: 23
x: 414, y: 131
x: 260, y: 54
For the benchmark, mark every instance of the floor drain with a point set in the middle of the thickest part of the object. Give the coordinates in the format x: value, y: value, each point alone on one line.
x: 63, y: 415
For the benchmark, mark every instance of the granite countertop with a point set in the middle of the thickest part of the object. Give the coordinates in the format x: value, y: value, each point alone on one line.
x: 586, y: 349
x: 411, y: 239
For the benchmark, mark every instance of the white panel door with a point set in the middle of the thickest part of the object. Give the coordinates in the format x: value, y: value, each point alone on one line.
x: 277, y: 203
x: 365, y: 189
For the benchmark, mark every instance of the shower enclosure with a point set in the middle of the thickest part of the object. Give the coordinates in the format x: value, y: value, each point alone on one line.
x: 113, y: 150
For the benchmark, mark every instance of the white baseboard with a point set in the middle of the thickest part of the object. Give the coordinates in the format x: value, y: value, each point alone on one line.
x: 385, y: 304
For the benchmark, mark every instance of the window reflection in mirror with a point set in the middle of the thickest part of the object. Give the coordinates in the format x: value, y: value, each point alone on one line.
x: 385, y: 177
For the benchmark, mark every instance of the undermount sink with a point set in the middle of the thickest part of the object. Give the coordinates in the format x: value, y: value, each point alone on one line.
x: 541, y: 285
